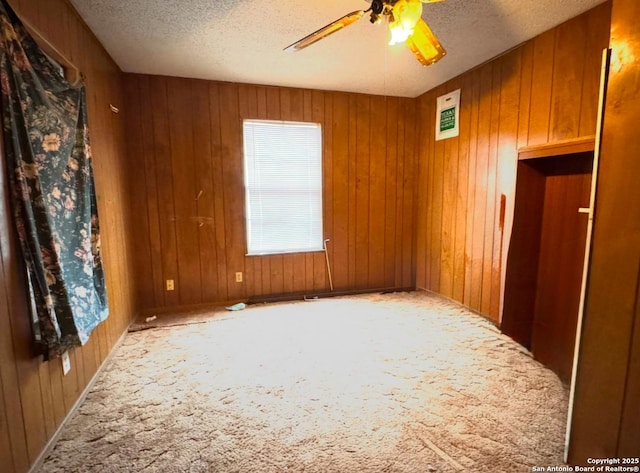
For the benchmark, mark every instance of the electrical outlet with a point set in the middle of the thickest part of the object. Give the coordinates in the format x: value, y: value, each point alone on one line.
x: 170, y: 286
x: 66, y: 363
x: 239, y: 276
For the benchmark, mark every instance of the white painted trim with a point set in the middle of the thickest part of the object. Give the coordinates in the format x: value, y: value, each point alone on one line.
x: 587, y: 251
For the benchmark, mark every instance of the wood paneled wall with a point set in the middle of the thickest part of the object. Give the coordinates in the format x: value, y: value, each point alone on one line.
x: 185, y: 209
x: 35, y: 396
x: 543, y: 91
x: 185, y: 146
x: 606, y: 414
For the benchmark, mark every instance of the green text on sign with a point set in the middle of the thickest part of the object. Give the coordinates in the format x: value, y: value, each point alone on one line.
x: 448, y: 119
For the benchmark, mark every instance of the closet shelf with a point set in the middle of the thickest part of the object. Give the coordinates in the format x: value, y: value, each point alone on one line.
x: 575, y: 145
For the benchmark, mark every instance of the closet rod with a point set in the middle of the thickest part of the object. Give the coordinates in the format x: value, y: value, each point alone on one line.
x: 71, y: 71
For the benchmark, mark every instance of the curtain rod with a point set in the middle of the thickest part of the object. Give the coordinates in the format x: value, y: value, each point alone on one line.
x: 71, y: 71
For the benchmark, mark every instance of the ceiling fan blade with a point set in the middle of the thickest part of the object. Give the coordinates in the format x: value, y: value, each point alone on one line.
x: 326, y: 31
x: 424, y: 45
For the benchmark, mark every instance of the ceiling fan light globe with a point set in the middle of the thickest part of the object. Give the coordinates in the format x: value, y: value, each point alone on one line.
x: 398, y: 35
x: 424, y: 45
x: 404, y: 17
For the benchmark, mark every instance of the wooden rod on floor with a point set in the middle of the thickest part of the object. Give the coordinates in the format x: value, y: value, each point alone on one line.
x: 326, y: 257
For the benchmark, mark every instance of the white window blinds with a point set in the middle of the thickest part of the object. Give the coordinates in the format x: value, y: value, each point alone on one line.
x: 283, y: 186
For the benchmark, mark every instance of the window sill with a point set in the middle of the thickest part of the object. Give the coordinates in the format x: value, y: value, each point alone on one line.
x: 293, y: 252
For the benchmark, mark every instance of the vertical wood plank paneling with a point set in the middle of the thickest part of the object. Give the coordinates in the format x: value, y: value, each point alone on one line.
x: 6, y: 455
x: 147, y: 161
x: 409, y: 200
x: 482, y: 172
x: 352, y: 190
x: 340, y: 132
x: 70, y: 383
x: 449, y: 191
x: 541, y: 87
x: 74, y: 30
x: 471, y: 236
x: 12, y: 405
x: 430, y: 163
x: 104, y: 188
x: 400, y: 191
x: 158, y: 94
x: 597, y: 26
x: 391, y: 190
x: 204, y: 191
x: 459, y: 258
x: 218, y: 189
x: 36, y: 396
x: 50, y: 22
x: 568, y: 72
x: 421, y: 210
x: 79, y: 372
x: 543, y: 91
x: 369, y: 199
x: 490, y: 207
x: 377, y: 181
x: 30, y: 11
x: 362, y: 168
x: 609, y: 345
x: 55, y: 375
x: 437, y: 197
x: 506, y: 169
x: 142, y: 254
x: 185, y: 192
x: 524, y: 104
x: 31, y: 391
x: 233, y: 187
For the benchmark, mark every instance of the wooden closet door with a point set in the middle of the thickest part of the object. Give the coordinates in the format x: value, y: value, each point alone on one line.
x: 560, y: 264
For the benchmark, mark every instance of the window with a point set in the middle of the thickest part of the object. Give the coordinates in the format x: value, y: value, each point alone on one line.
x: 283, y: 186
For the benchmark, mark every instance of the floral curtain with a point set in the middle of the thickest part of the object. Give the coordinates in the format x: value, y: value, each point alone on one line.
x: 48, y: 163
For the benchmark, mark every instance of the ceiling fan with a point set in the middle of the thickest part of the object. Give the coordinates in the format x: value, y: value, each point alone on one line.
x: 405, y: 25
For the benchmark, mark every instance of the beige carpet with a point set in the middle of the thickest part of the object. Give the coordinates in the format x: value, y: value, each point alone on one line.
x: 378, y: 383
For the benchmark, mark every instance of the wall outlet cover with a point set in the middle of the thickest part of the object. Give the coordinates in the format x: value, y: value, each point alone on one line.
x: 66, y: 363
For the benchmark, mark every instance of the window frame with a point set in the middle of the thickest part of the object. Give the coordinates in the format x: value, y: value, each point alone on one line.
x: 247, y: 209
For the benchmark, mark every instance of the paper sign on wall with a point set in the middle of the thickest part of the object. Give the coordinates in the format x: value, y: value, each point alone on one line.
x: 448, y: 115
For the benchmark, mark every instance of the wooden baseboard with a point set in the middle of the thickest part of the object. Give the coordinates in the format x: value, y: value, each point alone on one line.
x: 185, y: 309
x: 480, y: 314
x: 54, y: 438
x: 323, y: 294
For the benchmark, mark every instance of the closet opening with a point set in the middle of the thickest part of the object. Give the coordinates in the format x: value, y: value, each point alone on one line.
x: 546, y: 256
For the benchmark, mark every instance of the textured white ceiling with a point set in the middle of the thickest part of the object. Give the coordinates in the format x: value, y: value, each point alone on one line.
x: 242, y: 40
